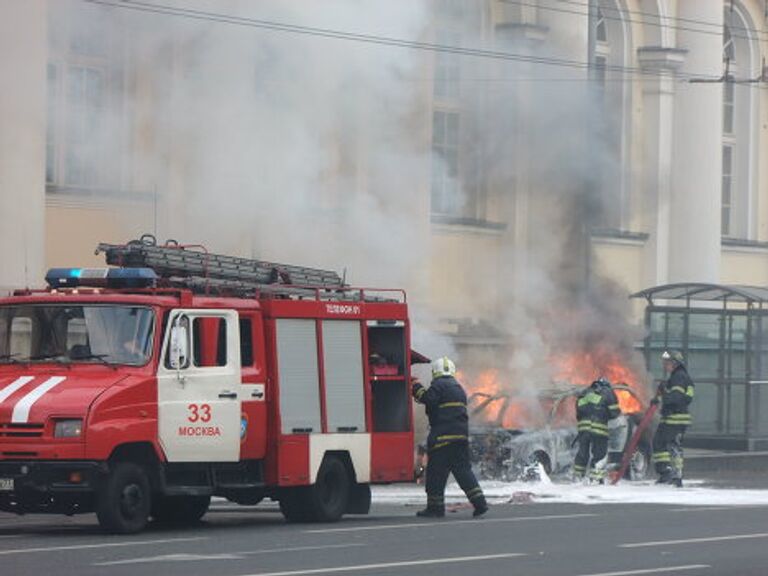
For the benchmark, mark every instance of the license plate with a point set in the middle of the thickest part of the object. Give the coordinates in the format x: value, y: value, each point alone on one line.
x: 6, y: 484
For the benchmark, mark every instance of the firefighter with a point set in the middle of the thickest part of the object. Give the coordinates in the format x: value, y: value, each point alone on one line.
x: 448, y: 442
x: 595, y: 406
x: 675, y: 395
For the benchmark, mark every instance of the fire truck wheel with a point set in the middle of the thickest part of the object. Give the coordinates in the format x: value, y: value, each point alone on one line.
x: 294, y: 505
x: 179, y: 509
x: 123, y: 500
x: 329, y: 496
x: 360, y: 499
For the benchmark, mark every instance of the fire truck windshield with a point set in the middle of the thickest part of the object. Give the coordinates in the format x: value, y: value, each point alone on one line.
x: 109, y: 334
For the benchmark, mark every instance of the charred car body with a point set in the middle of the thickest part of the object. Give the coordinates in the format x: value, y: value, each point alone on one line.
x: 502, y: 452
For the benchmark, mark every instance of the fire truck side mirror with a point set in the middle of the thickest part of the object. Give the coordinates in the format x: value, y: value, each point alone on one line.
x: 178, y: 351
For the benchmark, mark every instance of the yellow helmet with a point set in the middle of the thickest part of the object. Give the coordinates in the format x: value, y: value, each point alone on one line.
x: 443, y: 367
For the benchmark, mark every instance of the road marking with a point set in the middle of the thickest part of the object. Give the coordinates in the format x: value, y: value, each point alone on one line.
x: 104, y: 545
x: 717, y: 508
x: 173, y: 558
x: 225, y: 556
x: 363, y: 567
x: 695, y: 540
x: 654, y: 570
x: 446, y: 523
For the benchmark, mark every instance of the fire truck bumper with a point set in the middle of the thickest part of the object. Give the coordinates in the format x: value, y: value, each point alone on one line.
x: 48, y: 486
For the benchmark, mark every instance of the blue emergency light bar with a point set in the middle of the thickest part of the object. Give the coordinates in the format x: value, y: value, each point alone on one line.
x: 101, y: 277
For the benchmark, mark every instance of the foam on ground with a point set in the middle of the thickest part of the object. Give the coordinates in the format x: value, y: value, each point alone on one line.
x: 693, y: 494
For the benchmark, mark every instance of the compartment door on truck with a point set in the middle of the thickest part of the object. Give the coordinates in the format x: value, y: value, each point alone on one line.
x: 199, y: 382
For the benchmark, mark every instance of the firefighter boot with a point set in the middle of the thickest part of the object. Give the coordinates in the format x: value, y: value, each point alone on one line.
x: 481, y: 507
x: 431, y: 512
x: 435, y: 507
x: 665, y: 477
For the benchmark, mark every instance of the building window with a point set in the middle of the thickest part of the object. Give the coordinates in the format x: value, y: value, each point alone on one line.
x: 601, y: 32
x: 729, y: 90
x: 445, y: 163
x: 84, y: 136
x: 447, y: 67
x: 601, y: 63
x: 52, y: 121
x: 727, y: 189
x: 85, y: 91
x: 610, y: 128
x: 729, y: 52
x: 738, y: 164
x: 75, y: 135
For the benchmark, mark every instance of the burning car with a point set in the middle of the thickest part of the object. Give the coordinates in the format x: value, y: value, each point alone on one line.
x: 503, y: 452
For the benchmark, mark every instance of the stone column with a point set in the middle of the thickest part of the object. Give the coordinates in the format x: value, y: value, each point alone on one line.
x: 658, y: 113
x: 23, y: 60
x: 695, y: 199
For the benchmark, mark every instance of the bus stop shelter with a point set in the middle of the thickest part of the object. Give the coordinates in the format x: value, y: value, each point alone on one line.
x: 723, y: 333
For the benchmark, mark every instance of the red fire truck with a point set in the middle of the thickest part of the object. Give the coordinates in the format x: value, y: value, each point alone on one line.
x: 145, y: 388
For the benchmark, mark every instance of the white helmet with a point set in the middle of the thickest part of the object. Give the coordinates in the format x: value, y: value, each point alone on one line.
x: 443, y: 367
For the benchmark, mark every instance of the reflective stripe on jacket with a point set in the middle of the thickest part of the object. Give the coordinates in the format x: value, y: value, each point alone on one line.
x: 446, y: 406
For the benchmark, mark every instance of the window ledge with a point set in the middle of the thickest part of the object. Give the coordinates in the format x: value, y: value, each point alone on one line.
x: 524, y: 31
x: 469, y: 223
x: 65, y: 194
x: 619, y: 236
x: 744, y: 243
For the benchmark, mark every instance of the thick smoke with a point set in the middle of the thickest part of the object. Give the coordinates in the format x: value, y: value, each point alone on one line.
x: 551, y: 141
x: 316, y: 151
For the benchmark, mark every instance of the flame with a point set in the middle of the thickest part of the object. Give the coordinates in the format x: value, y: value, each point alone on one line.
x: 583, y: 369
x: 488, y: 390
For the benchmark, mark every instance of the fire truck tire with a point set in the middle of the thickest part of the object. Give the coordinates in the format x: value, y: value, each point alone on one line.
x: 329, y: 495
x: 294, y: 505
x: 180, y: 509
x: 123, y: 500
x: 360, y: 499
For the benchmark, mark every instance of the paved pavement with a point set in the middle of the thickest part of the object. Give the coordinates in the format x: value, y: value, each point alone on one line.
x: 537, y: 539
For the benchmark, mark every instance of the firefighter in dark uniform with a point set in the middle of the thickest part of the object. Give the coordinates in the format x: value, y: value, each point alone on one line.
x: 675, y: 395
x: 595, y: 406
x: 448, y: 442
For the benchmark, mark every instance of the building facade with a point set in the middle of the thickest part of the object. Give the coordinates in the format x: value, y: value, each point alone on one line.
x: 653, y: 114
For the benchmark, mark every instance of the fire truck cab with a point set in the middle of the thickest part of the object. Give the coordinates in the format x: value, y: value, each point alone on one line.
x: 141, y: 391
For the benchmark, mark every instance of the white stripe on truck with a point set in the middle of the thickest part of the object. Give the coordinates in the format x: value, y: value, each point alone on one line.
x: 14, y: 386
x: 22, y: 408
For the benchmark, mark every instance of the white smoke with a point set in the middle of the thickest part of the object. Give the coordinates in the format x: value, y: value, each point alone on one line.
x: 316, y: 151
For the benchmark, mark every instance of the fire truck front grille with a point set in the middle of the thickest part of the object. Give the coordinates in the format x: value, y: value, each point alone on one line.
x: 9, y: 430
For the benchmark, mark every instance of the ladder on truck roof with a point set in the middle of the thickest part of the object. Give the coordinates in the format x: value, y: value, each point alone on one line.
x: 193, y: 267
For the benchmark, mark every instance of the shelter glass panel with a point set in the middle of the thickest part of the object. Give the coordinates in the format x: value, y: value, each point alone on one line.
x: 705, y: 408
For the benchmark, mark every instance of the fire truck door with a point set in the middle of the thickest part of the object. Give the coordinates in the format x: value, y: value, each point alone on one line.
x: 198, y: 384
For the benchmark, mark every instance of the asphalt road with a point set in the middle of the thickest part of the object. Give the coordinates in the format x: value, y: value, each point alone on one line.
x: 552, y: 539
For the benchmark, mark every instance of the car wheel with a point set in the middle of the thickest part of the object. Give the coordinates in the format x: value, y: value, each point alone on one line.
x: 124, y: 501
x: 640, y: 463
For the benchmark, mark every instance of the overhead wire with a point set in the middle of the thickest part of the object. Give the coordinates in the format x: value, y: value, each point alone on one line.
x: 373, y: 39
x: 717, y: 28
x: 762, y: 36
x: 630, y: 73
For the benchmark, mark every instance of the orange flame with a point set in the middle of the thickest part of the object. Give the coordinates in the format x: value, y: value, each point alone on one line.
x: 499, y: 406
x: 583, y: 369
